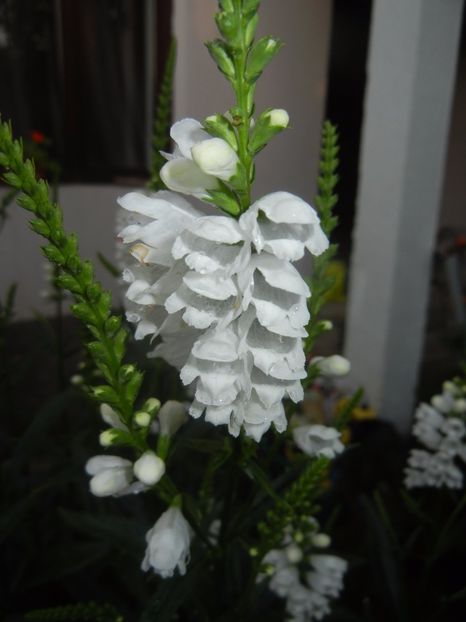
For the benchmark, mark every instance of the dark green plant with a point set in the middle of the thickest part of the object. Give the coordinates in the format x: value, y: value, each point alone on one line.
x: 162, y: 118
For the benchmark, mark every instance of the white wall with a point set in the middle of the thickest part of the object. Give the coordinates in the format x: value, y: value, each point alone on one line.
x: 89, y: 211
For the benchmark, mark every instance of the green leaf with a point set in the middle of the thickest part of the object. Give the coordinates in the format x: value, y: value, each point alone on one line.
x: 219, y: 126
x: 172, y: 594
x: 107, y: 264
x: 226, y: 200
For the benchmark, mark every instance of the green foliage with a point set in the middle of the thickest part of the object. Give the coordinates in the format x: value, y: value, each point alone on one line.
x: 81, y: 612
x: 93, y: 304
x: 5, y: 202
x: 162, y: 118
x: 326, y: 200
x: 296, y: 505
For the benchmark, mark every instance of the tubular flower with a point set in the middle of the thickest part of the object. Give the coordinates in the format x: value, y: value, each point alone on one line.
x: 168, y: 544
x: 228, y: 304
x: 112, y: 476
x: 198, y: 161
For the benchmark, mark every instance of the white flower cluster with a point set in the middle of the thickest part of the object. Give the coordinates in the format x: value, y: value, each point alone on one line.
x: 222, y: 294
x: 311, y: 599
x: 440, y: 428
x: 116, y: 476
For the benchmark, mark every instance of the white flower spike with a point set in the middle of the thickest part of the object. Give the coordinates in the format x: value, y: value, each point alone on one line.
x: 223, y: 295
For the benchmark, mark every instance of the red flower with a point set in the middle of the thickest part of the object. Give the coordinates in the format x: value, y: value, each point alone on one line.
x: 37, y: 137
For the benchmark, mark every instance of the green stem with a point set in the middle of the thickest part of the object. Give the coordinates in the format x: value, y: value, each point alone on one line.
x: 242, y: 88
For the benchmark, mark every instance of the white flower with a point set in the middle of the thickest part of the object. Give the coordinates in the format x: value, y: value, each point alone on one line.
x: 427, y: 469
x: 427, y: 426
x: 333, y: 366
x: 111, y: 476
x: 324, y: 581
x: 318, y: 440
x: 168, y: 544
x: 111, y: 418
x: 227, y: 302
x: 171, y: 417
x: 198, y: 160
x: 441, y: 430
x: 149, y: 468
x: 327, y: 576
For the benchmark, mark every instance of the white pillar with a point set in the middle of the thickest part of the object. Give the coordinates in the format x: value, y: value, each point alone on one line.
x: 411, y: 72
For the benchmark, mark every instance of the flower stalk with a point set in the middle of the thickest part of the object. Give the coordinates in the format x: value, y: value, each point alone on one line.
x: 93, y: 303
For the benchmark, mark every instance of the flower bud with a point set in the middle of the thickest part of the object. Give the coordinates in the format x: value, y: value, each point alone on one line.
x: 222, y: 57
x: 278, y: 117
x: 334, y: 365
x: 294, y: 554
x: 171, y: 417
x: 151, y: 406
x: 109, y: 482
x: 110, y: 475
x: 76, y: 380
x: 142, y: 419
x: 149, y: 468
x: 321, y: 540
x: 109, y: 416
x: 215, y: 157
x: 459, y: 406
x: 326, y: 325
x: 108, y: 437
x: 449, y: 386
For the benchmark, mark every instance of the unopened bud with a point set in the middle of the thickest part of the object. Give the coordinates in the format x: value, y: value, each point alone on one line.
x: 326, y: 325
x: 321, y: 540
x: 334, y: 365
x: 142, y: 419
x: 459, y: 406
x: 77, y: 379
x: 449, y: 386
x: 253, y: 551
x: 151, y: 406
x: 278, y: 117
x: 294, y: 554
x: 149, y: 468
x: 108, y: 437
x: 215, y: 157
